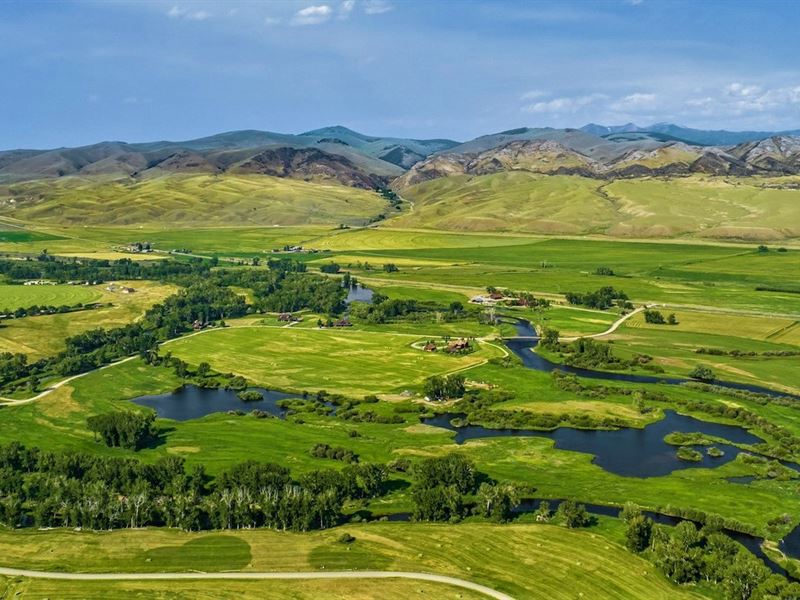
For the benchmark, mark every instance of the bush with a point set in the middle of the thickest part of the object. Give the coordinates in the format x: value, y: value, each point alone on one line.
x: 127, y: 430
x: 702, y: 373
x: 250, y: 396
x: 654, y: 317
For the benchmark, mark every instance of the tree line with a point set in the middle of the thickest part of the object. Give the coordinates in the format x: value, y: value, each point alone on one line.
x: 203, y: 301
x: 70, y: 489
x: 63, y: 270
x: 604, y: 298
x: 688, y: 555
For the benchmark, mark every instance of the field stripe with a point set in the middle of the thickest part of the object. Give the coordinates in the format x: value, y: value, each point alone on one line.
x: 292, y: 575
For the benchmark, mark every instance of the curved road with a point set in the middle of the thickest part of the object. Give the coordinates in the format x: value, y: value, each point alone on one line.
x: 58, y: 384
x: 462, y: 583
x: 614, y: 326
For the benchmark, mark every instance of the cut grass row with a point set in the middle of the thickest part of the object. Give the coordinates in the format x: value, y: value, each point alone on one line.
x: 523, y: 560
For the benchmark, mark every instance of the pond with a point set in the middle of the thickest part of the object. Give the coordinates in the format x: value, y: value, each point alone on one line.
x: 359, y: 293
x: 629, y: 452
x: 193, y: 402
x: 523, y: 347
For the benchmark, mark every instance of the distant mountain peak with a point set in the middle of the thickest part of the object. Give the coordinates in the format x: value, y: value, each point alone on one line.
x: 339, y: 131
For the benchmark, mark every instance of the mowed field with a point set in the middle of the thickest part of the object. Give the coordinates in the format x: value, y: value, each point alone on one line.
x: 349, y: 362
x: 344, y: 589
x: 646, y: 207
x: 41, y: 336
x: 674, y: 347
x: 680, y: 274
x: 522, y: 560
x: 23, y: 296
x: 189, y: 200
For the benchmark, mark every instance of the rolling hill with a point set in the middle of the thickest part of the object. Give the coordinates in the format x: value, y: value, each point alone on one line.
x: 703, y: 137
x: 523, y: 201
x: 574, y: 152
x: 190, y: 200
x: 336, y: 153
x: 541, y: 180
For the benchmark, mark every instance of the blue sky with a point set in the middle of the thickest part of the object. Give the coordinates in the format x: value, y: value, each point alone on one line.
x: 79, y: 72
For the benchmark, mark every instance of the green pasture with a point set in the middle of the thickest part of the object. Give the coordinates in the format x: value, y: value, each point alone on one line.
x: 23, y: 296
x: 41, y: 336
x: 680, y: 274
x: 674, y: 347
x: 220, y: 440
x: 567, y: 563
x: 351, y: 362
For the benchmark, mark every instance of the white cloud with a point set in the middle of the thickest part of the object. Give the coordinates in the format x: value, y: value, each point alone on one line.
x: 200, y: 15
x: 740, y: 89
x: 271, y: 21
x: 634, y: 102
x: 532, y: 95
x: 176, y: 12
x: 377, y: 7
x: 563, y: 105
x: 345, y: 8
x: 312, y: 15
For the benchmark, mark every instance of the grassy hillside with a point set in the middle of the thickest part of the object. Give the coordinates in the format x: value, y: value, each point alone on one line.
x: 189, y: 200
x: 647, y: 207
x: 523, y: 560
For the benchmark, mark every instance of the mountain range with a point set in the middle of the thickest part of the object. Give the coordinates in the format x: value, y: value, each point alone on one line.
x: 338, y: 154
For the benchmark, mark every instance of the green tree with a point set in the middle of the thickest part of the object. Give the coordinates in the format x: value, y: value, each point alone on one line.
x: 743, y: 576
x: 550, y: 339
x: 702, y: 373
x: 572, y: 514
x: 638, y: 533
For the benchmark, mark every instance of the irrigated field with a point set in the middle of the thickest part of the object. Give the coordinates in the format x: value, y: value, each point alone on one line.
x: 523, y: 560
x: 41, y: 336
x: 679, y: 274
x: 336, y: 360
x: 756, y: 344
x: 726, y: 296
x: 23, y: 296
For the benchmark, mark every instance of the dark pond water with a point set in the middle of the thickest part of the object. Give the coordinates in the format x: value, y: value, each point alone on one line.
x: 629, y: 452
x: 790, y: 545
x: 192, y: 402
x: 742, y: 479
x: 523, y: 347
x: 359, y: 293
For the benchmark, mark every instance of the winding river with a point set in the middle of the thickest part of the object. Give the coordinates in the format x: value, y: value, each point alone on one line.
x: 632, y: 452
x: 523, y: 347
